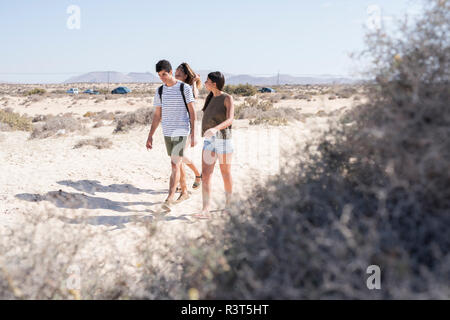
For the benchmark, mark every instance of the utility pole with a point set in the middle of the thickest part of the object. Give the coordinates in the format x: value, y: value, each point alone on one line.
x: 108, y: 81
x: 278, y: 78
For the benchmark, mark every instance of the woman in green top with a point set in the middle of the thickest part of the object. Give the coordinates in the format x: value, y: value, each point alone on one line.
x: 218, y: 116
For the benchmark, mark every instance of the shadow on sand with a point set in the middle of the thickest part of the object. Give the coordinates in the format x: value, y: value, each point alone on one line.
x: 120, y: 221
x: 93, y: 186
x: 68, y: 200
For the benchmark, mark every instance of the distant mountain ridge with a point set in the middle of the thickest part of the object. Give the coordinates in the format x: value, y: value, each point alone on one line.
x: 147, y: 77
x: 113, y: 77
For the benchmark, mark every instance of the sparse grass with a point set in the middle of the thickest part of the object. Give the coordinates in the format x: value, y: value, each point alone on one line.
x: 99, y: 143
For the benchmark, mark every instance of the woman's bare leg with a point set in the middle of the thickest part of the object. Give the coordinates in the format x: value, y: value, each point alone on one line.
x: 208, y: 163
x: 225, y: 169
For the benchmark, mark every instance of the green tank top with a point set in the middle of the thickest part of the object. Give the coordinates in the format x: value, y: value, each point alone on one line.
x: 216, y: 113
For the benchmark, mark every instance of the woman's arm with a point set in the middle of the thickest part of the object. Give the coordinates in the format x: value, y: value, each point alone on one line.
x: 195, y: 90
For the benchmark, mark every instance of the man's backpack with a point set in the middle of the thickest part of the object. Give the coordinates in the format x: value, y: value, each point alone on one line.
x: 160, y: 91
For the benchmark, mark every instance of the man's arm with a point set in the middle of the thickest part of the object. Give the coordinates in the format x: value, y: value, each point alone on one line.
x: 155, y: 123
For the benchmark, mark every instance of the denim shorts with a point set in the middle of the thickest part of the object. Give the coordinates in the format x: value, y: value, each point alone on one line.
x: 217, y: 145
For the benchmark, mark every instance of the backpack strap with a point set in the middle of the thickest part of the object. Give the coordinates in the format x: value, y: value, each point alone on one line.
x: 160, y: 91
x: 184, y: 97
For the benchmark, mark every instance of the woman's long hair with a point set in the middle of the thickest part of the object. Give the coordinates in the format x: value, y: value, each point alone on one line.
x: 218, y: 78
x: 190, y: 75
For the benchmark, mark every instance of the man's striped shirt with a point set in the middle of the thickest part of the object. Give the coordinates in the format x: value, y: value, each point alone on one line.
x: 175, y: 117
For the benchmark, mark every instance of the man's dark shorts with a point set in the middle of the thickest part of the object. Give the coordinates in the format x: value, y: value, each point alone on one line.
x: 175, y: 145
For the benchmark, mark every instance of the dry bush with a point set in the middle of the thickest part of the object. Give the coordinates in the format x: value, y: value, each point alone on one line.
x: 58, y: 92
x: 263, y: 112
x: 251, y: 108
x: 245, y: 90
x: 14, y: 121
x: 346, y: 92
x: 98, y: 124
x: 56, y: 126
x: 277, y: 117
x: 102, y: 115
x: 375, y: 193
x: 62, y: 256
x: 99, y: 143
x: 303, y: 96
x: 142, y: 116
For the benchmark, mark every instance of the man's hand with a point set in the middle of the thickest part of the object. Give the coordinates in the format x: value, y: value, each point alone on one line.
x: 210, y: 132
x: 149, y: 144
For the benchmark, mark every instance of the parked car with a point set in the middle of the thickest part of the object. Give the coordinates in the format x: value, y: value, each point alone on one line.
x: 267, y: 90
x: 121, y: 90
x: 91, y: 91
x: 72, y: 91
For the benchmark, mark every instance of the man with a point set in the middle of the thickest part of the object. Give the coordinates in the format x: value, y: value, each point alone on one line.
x: 177, y: 114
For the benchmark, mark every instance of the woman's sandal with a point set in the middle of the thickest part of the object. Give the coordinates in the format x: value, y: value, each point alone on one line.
x: 197, y: 184
x: 202, y: 216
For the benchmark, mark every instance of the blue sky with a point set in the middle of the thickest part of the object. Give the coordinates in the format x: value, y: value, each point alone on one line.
x: 235, y: 36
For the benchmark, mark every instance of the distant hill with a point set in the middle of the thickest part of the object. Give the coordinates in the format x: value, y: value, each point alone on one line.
x: 118, y: 77
x: 113, y: 77
x: 285, y: 79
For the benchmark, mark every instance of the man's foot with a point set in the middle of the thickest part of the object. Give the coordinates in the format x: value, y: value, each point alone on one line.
x: 168, y: 204
x: 182, y: 197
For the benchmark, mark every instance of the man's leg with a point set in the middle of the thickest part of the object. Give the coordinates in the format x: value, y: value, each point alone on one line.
x: 174, y: 177
x: 183, y: 178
